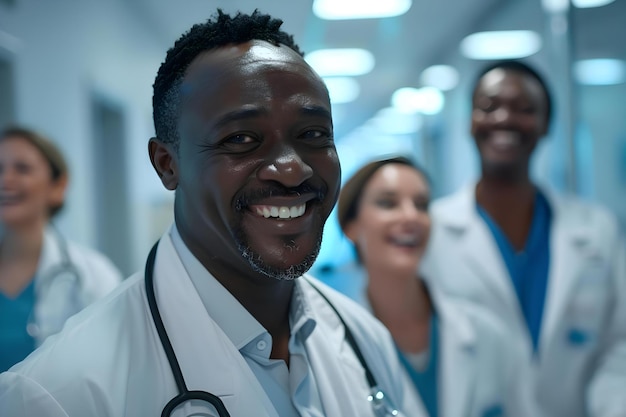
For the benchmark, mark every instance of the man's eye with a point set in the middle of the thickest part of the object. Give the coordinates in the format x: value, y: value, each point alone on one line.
x: 315, y: 134
x: 241, y: 138
x: 487, y: 107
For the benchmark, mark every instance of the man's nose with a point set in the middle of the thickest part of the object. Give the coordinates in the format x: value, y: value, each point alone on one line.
x: 502, y: 115
x: 286, y: 167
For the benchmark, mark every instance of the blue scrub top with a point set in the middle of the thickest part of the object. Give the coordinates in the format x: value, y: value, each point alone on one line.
x: 529, y: 267
x: 426, y: 381
x: 15, y: 342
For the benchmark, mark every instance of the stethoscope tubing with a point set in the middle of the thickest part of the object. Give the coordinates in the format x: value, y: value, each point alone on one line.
x: 376, y: 395
x: 183, y: 392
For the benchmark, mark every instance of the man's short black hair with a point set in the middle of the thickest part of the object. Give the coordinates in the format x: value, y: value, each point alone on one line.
x: 217, y: 31
x: 523, y: 68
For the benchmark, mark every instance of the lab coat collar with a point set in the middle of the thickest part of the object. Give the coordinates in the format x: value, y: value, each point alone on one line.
x: 480, y: 252
x: 335, y: 362
x: 572, y: 243
x: 208, y: 359
x: 234, y: 320
x: 338, y: 373
x: 457, y: 211
x: 238, y: 324
x: 51, y: 255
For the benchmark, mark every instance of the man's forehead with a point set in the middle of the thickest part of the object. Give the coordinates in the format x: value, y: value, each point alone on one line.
x: 492, y: 81
x: 254, y: 51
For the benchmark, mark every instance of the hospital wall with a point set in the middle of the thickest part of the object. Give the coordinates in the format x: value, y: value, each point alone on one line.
x: 64, y: 56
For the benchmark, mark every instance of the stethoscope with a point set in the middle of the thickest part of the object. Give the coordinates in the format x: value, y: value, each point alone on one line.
x: 66, y: 270
x: 379, y: 401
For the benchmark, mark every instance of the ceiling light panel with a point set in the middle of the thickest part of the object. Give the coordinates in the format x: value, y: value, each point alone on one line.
x: 507, y: 44
x: 600, y: 71
x: 342, y: 89
x: 359, y: 9
x: 584, y: 4
x: 443, y: 77
x: 341, y: 62
x: 426, y: 100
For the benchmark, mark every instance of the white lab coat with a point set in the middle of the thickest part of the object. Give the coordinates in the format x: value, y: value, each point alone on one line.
x: 62, y: 291
x: 109, y: 362
x: 580, y: 369
x: 481, y: 373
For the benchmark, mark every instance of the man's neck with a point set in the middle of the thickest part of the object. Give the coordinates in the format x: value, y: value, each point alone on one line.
x: 510, y: 205
x: 269, y: 303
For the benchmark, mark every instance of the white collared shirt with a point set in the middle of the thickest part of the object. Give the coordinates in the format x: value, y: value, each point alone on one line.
x: 293, y: 391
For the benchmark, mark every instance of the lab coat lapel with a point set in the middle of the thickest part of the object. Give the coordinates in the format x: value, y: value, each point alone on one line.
x: 569, y: 247
x: 480, y: 252
x: 56, y: 290
x: 337, y: 371
x: 208, y: 360
x: 457, y: 364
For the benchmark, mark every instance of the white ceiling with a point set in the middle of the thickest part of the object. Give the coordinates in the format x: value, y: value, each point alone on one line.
x: 429, y: 33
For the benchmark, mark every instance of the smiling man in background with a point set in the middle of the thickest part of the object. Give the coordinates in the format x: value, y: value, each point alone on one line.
x: 553, y: 268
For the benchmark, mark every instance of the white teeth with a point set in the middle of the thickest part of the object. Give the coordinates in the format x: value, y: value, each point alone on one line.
x: 282, y: 212
x: 505, y: 140
x: 412, y: 240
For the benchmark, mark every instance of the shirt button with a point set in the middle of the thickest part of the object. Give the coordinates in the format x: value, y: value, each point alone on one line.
x: 261, y: 345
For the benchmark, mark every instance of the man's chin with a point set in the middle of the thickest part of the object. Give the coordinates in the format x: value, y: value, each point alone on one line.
x: 279, y: 272
x: 504, y: 170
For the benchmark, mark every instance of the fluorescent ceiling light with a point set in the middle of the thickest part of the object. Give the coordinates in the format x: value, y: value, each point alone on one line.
x: 443, y: 77
x: 341, y: 62
x: 583, y: 4
x: 426, y: 100
x: 555, y: 6
x: 359, y: 9
x: 506, y: 44
x: 600, y: 71
x: 391, y: 121
x: 342, y: 89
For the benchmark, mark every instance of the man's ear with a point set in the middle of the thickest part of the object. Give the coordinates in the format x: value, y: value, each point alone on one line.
x: 165, y: 162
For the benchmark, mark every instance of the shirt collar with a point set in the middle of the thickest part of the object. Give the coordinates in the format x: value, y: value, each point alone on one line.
x: 234, y: 320
x: 301, y: 316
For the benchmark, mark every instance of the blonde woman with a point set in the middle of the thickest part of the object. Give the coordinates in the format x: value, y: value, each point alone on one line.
x: 457, y: 357
x: 44, y: 279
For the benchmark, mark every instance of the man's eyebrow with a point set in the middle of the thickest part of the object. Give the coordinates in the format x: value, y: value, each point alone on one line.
x: 250, y: 113
x: 318, y: 111
x: 240, y: 114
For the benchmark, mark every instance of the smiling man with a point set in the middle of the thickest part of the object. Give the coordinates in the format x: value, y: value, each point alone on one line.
x: 223, y: 320
x: 553, y: 268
